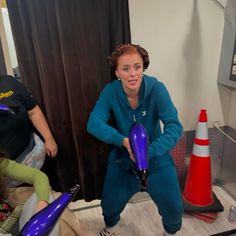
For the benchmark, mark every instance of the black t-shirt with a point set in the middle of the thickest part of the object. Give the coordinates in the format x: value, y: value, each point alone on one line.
x: 15, y: 126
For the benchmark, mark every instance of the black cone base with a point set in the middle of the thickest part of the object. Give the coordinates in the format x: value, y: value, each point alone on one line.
x: 216, y: 206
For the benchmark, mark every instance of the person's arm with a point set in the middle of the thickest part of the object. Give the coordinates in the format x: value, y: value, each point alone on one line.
x: 28, y: 175
x: 172, y: 129
x: 35, y: 115
x: 39, y: 121
x: 97, y: 123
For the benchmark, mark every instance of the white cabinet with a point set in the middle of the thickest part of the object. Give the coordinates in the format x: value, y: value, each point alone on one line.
x: 227, y: 65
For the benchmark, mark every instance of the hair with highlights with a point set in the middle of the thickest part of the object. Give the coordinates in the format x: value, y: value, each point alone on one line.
x: 125, y: 49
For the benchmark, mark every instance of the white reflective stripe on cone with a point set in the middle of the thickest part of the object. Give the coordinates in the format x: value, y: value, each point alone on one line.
x: 201, y: 151
x: 202, y: 130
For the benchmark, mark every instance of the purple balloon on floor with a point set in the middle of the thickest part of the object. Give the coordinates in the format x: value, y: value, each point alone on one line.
x: 42, y: 223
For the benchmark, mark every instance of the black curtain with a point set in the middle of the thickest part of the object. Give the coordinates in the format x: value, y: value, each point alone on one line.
x: 62, y: 48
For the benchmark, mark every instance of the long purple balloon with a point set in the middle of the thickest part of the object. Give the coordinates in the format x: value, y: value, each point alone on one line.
x: 138, y: 138
x: 6, y: 108
x: 42, y: 223
x: 3, y: 107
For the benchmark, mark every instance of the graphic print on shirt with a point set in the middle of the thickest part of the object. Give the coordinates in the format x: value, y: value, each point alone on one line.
x: 6, y: 94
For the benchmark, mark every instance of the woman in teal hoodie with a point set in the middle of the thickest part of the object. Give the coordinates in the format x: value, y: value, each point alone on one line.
x: 136, y: 97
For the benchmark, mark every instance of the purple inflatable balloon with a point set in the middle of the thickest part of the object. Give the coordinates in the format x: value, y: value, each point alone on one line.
x: 42, y: 223
x: 6, y: 108
x: 138, y: 138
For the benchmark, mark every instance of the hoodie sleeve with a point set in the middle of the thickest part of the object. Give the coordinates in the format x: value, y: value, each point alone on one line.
x: 172, y: 128
x: 28, y: 175
x: 97, y: 123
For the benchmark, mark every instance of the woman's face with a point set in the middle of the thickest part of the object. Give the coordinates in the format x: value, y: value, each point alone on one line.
x: 130, y: 71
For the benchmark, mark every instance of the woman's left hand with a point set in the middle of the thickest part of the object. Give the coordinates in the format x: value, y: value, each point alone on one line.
x: 51, y: 147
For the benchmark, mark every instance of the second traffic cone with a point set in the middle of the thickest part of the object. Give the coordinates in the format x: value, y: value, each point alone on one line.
x: 198, y: 186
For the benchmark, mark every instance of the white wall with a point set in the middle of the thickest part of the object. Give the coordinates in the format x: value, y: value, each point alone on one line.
x: 184, y: 42
x: 10, y: 42
x: 4, y: 45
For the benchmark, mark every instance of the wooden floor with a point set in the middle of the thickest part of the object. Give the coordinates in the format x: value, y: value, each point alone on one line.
x: 141, y: 218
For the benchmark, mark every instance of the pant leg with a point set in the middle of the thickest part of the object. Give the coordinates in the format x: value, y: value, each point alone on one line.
x: 163, y: 188
x: 119, y: 187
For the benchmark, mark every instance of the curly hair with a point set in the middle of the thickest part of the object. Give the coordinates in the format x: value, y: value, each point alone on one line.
x: 128, y: 49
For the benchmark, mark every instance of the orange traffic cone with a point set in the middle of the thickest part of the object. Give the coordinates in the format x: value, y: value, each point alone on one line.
x: 198, y: 186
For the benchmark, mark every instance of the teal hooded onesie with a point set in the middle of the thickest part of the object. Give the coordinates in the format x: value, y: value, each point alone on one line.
x: 155, y: 106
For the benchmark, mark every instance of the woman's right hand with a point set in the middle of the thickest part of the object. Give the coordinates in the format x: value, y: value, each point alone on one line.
x: 51, y: 147
x: 126, y: 144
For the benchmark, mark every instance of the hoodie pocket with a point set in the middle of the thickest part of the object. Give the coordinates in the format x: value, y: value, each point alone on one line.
x: 153, y: 165
x: 159, y: 162
x: 121, y: 158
